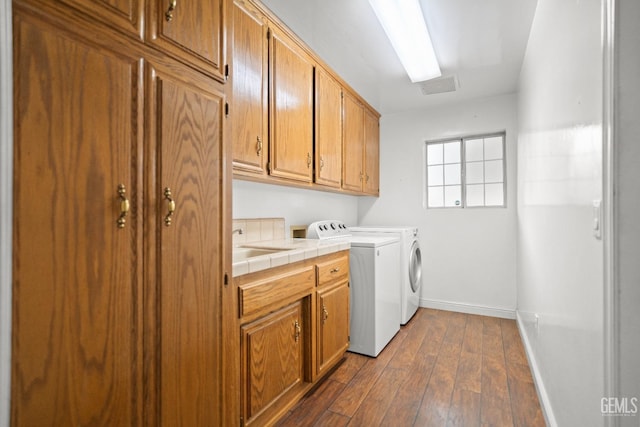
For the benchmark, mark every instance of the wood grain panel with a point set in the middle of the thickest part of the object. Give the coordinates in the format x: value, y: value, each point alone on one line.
x: 125, y: 15
x: 76, y: 345
x: 465, y: 409
x: 472, y: 342
x: 469, y: 375
x: 373, y: 409
x: 351, y: 366
x: 451, y: 387
x: 495, y: 407
x: 291, y: 139
x: 334, y: 270
x: 437, y: 398
x: 333, y: 325
x: 275, y: 290
x: 249, y: 99
x: 524, y: 404
x: 273, y: 358
x: 331, y: 419
x: 404, y: 358
x: 356, y: 391
x: 194, y: 34
x: 371, y: 153
x: 352, y: 143
x: 407, y: 401
x: 456, y: 328
x: 189, y: 123
x: 328, y: 126
x: 513, y: 348
x: 310, y: 409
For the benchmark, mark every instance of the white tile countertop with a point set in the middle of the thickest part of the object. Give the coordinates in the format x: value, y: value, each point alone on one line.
x: 289, y: 251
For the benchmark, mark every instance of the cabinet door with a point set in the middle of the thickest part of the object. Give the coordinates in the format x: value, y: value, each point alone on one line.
x: 272, y: 352
x: 291, y: 142
x: 190, y: 30
x: 328, y: 153
x: 249, y: 76
x: 352, y: 144
x: 371, y: 153
x: 76, y: 356
x: 333, y: 325
x: 187, y: 112
x: 125, y: 15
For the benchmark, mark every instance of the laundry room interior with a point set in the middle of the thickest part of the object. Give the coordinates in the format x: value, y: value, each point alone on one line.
x: 282, y: 225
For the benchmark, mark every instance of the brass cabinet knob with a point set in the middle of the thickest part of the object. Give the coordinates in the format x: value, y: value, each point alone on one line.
x: 325, y: 314
x: 296, y: 326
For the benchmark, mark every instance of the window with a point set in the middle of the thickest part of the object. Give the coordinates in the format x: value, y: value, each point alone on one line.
x: 466, y: 172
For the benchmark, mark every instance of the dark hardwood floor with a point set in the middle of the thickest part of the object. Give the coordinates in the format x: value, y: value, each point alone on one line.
x: 441, y: 369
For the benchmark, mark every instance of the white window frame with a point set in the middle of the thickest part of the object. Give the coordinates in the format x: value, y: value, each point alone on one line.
x: 463, y: 173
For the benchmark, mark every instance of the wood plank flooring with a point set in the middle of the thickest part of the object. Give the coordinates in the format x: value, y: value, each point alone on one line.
x: 442, y: 369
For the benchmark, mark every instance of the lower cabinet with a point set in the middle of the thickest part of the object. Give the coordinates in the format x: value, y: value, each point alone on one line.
x: 333, y: 325
x: 294, y: 328
x: 273, y: 358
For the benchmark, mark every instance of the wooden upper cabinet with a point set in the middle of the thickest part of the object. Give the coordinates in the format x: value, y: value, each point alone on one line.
x: 371, y: 153
x: 291, y: 118
x: 352, y: 143
x: 191, y: 31
x: 77, y: 288
x: 186, y: 110
x: 328, y: 148
x: 249, y: 98
x: 124, y: 15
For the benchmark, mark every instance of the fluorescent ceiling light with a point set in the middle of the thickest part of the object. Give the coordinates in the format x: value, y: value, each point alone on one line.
x: 404, y: 24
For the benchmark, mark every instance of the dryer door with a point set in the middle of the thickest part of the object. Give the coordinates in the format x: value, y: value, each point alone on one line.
x: 415, y: 267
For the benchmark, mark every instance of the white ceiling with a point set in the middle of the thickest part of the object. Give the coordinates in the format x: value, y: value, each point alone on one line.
x: 482, y: 42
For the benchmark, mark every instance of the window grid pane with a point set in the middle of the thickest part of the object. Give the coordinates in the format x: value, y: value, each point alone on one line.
x: 480, y: 173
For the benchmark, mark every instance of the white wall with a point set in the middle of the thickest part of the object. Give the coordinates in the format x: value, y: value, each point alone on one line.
x: 560, y: 263
x: 627, y: 198
x: 6, y: 187
x: 468, y: 255
x: 297, y: 206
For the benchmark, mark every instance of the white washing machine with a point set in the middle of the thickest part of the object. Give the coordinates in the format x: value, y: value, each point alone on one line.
x: 410, y: 264
x: 374, y: 298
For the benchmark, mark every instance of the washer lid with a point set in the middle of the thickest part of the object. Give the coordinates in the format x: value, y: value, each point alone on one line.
x: 372, y: 241
x: 384, y: 229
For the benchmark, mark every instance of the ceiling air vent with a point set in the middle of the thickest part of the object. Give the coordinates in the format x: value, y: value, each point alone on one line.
x: 439, y: 85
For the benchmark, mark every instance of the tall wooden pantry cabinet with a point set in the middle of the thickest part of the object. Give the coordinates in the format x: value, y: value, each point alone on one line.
x: 121, y: 200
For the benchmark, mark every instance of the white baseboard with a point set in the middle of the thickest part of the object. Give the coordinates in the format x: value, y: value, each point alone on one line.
x: 468, y: 308
x: 543, y: 396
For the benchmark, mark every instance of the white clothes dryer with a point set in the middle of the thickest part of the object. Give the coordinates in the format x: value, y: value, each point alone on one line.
x: 410, y: 264
x: 374, y: 298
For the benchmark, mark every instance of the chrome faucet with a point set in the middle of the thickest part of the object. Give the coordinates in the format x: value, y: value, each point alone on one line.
x: 237, y: 230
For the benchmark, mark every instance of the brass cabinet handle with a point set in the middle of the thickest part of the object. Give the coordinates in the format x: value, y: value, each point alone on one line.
x: 361, y: 176
x: 171, y: 207
x: 308, y: 160
x: 321, y: 162
x: 169, y: 13
x: 366, y: 178
x: 124, y: 205
x: 325, y: 313
x: 259, y: 146
x: 296, y: 325
x: 334, y: 270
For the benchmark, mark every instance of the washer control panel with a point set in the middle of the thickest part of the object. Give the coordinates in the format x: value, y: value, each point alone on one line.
x: 329, y: 229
